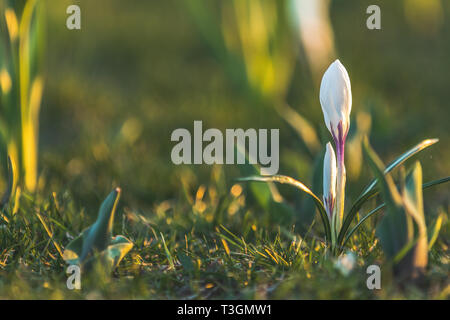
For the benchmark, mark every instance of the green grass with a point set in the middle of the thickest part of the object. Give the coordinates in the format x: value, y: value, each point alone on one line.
x: 182, y: 250
x: 159, y: 74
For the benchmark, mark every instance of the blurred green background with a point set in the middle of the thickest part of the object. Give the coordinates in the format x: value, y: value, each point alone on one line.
x: 137, y: 70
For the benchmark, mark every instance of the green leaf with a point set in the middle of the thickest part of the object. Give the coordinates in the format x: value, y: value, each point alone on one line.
x: 370, y: 191
x: 413, y: 199
x: 392, y: 230
x: 402, y: 158
x: 367, y: 216
x: 263, y: 193
x: 413, y: 190
x: 300, y: 186
x: 426, y: 185
x: 266, y: 195
x: 110, y: 258
x: 73, y: 250
x: 96, y: 244
x: 435, y: 182
x: 115, y: 252
x: 434, y: 231
x: 100, y: 233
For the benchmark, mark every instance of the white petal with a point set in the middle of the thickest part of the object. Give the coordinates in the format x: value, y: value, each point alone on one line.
x: 329, y: 173
x: 336, y: 97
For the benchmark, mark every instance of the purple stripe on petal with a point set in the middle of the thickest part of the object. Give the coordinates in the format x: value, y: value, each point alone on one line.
x: 329, y: 206
x: 340, y: 143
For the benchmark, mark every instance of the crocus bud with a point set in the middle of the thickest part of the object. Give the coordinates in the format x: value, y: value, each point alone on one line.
x: 336, y: 100
x: 329, y: 180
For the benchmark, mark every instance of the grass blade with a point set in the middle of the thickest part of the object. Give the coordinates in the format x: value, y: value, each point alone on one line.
x: 50, y: 235
x: 166, y: 249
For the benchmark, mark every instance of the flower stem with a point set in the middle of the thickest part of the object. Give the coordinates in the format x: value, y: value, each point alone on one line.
x: 340, y: 185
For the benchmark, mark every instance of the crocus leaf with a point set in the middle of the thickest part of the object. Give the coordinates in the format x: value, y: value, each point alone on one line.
x: 263, y: 193
x: 73, y: 250
x: 438, y: 223
x: 413, y: 189
x: 434, y: 231
x: 108, y: 259
x: 367, y: 216
x: 115, y: 252
x: 299, y: 185
x: 99, y: 235
x: 353, y: 211
x: 413, y: 199
x: 402, y: 158
x: 96, y: 244
x: 392, y: 230
x: 370, y: 190
x: 266, y: 195
x: 435, y: 182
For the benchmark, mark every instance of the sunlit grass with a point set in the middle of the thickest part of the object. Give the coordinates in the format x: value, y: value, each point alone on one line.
x: 181, y: 253
x: 208, y: 238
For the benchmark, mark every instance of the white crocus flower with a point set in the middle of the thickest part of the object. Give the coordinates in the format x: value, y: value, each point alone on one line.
x: 336, y: 102
x: 329, y: 180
